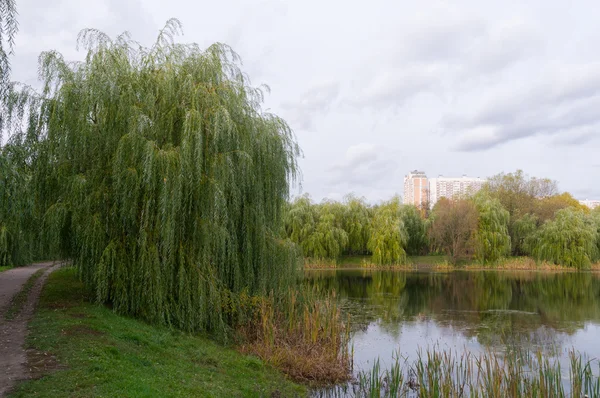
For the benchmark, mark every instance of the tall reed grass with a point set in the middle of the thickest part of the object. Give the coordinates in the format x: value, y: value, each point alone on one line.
x: 305, y: 336
x: 441, y: 373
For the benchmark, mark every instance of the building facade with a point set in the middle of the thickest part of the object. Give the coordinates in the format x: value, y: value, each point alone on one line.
x: 416, y: 189
x: 592, y: 204
x: 453, y: 187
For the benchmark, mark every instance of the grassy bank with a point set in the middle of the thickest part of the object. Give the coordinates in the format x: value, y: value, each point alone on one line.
x: 87, y: 350
x: 442, y: 263
x: 4, y: 268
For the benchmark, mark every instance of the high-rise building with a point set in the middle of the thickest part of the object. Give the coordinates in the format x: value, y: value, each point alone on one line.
x: 592, y: 204
x: 453, y: 187
x: 416, y: 189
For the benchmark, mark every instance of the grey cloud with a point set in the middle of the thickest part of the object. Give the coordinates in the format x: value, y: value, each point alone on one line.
x: 394, y: 87
x: 496, y: 51
x: 579, y: 137
x: 365, y: 165
x: 313, y: 102
x: 444, y: 54
x: 445, y: 40
x: 555, y: 105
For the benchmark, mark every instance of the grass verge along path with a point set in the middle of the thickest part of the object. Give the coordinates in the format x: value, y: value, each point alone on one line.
x: 102, y: 354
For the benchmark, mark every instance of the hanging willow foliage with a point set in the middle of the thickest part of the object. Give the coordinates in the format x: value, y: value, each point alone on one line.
x: 17, y: 221
x: 415, y: 229
x: 493, y: 240
x: 570, y: 239
x: 388, y: 234
x: 162, y: 178
x: 317, y: 229
x: 357, y: 224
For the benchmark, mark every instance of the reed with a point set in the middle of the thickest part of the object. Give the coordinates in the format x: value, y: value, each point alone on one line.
x: 306, y: 336
x: 447, y: 373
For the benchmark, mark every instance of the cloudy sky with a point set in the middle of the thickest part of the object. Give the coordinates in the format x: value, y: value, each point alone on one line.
x: 376, y: 89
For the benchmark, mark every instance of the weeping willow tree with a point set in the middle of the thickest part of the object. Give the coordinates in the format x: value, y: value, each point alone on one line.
x: 317, y: 228
x: 415, y: 229
x: 493, y: 239
x: 300, y: 220
x: 523, y: 229
x: 357, y: 224
x: 570, y: 239
x: 388, y: 234
x: 163, y: 179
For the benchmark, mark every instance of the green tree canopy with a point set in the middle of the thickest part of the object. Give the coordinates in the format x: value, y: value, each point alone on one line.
x: 523, y: 229
x: 317, y: 229
x: 357, y: 224
x: 493, y: 240
x: 570, y: 239
x: 415, y: 229
x: 519, y: 194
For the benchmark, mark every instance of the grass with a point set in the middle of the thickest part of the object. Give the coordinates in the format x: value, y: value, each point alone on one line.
x: 19, y: 299
x: 428, y: 260
x: 357, y: 261
x: 519, y: 263
x: 101, y: 354
x: 4, y: 268
x: 320, y: 263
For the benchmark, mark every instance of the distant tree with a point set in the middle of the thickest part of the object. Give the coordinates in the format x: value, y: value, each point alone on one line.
x: 519, y: 194
x: 493, y: 240
x: 388, y: 234
x: 415, y: 229
x: 301, y: 219
x: 570, y: 239
x: 523, y: 229
x: 357, y: 224
x: 317, y: 229
x: 547, y: 207
x: 594, y: 217
x: 453, y: 227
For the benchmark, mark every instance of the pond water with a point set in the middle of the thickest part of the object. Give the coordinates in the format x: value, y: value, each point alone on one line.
x: 398, y: 312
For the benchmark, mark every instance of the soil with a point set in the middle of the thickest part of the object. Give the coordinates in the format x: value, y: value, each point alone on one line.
x: 13, y: 356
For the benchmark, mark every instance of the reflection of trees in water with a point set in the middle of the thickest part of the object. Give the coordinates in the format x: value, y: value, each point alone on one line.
x: 495, y: 307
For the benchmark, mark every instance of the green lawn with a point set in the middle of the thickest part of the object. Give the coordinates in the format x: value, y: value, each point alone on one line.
x: 102, y: 354
x: 346, y: 261
x: 4, y: 268
x: 427, y: 260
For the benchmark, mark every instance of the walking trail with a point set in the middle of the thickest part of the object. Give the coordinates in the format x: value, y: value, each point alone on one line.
x: 13, y: 358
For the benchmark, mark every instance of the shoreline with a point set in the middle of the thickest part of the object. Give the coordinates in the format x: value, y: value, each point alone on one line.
x: 436, y: 268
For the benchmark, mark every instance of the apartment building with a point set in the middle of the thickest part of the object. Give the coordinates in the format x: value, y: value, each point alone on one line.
x: 592, y: 204
x: 453, y: 187
x: 416, y: 189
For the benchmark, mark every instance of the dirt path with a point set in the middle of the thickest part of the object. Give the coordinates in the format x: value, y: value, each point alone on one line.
x: 13, y: 358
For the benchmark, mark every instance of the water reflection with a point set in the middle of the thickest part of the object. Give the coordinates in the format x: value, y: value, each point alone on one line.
x: 394, y: 310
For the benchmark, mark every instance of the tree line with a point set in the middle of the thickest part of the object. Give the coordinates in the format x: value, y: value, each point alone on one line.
x: 513, y: 215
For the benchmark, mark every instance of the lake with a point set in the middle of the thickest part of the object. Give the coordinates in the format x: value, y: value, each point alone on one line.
x: 396, y: 311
